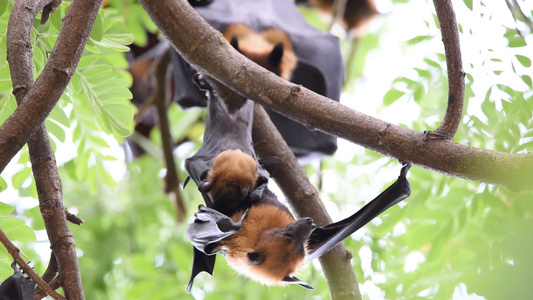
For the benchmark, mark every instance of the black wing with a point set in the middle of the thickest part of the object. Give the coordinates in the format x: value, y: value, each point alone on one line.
x: 324, y: 238
x: 17, y: 287
x: 208, y: 228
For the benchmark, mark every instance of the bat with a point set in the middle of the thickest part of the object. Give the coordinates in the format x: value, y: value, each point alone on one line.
x: 317, y: 58
x: 244, y: 221
x: 17, y: 287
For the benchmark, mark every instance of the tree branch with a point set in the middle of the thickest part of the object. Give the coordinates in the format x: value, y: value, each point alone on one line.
x: 42, y: 157
x: 15, y: 253
x: 456, y: 82
x: 303, y: 197
x: 54, y: 78
x: 176, y: 19
x: 160, y: 96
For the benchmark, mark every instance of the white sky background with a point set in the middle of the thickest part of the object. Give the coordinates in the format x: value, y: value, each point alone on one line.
x: 392, y: 59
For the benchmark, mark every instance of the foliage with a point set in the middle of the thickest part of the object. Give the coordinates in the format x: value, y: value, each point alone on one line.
x: 450, y: 233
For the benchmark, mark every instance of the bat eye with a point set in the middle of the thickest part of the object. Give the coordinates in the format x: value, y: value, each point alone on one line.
x: 254, y: 258
x: 289, y: 236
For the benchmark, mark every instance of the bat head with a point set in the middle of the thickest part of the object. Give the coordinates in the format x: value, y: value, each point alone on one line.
x: 280, y: 251
x: 270, y: 246
x: 271, y: 49
x: 232, y: 176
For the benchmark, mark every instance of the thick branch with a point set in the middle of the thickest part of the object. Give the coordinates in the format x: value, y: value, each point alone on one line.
x: 41, y: 99
x: 456, y: 83
x: 303, y: 197
x: 161, y: 95
x: 14, y: 252
x: 209, y: 52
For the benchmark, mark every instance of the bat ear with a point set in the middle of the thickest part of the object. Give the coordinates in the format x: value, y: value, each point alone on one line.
x: 235, y: 43
x: 275, y: 56
x: 271, y: 160
x: 294, y: 280
x: 254, y: 258
x: 205, y: 186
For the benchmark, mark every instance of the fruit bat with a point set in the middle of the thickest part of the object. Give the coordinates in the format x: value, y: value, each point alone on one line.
x: 319, y: 64
x: 243, y: 219
x: 17, y: 287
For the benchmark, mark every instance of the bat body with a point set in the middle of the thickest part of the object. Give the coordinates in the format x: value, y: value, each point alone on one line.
x: 17, y: 286
x: 243, y: 219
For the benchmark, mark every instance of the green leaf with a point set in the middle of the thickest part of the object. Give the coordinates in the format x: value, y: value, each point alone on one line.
x: 527, y: 80
x: 55, y: 130
x: 432, y: 63
x: 524, y: 60
x: 105, y: 177
x: 5, y: 208
x: 419, y: 39
x: 468, y: 4
x: 3, y: 184
x: 97, y: 31
x: 59, y: 116
x: 391, y: 96
x: 3, y: 7
x: 514, y: 39
x: 55, y: 18
x: 18, y: 179
x: 16, y: 229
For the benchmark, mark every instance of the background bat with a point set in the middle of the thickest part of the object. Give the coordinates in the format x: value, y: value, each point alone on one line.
x: 17, y: 286
x: 319, y: 64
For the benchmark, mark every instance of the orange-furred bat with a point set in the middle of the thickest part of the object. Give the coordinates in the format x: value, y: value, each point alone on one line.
x: 254, y: 231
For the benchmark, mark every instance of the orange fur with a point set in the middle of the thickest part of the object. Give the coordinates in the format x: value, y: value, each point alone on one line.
x: 258, y: 46
x: 232, y: 169
x: 260, y: 232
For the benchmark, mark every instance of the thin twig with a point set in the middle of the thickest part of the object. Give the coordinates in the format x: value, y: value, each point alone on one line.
x: 72, y: 218
x: 52, y: 269
x: 161, y: 96
x: 54, y: 284
x: 456, y: 84
x: 15, y: 253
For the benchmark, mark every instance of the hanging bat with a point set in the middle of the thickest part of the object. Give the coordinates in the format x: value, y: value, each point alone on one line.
x: 274, y: 34
x: 17, y: 286
x: 264, y: 242
x: 244, y: 220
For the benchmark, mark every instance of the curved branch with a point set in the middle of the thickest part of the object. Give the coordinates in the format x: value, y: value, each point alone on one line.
x: 54, y: 78
x: 456, y: 82
x: 15, y: 253
x: 209, y: 52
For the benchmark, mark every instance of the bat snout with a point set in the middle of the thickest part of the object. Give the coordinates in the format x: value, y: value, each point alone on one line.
x: 300, y: 231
